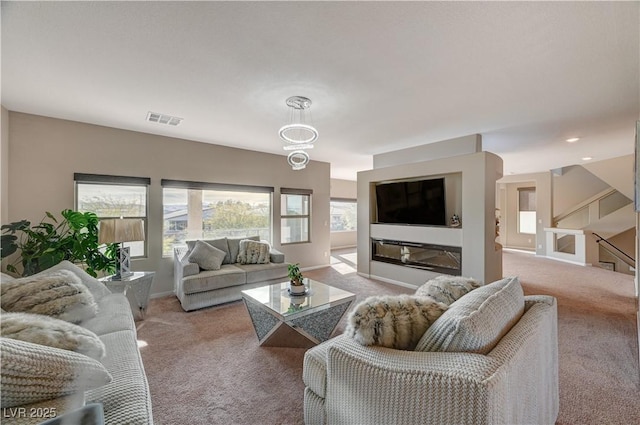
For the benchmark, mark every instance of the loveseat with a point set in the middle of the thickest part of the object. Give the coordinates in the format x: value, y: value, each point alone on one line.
x: 124, y: 394
x: 490, y: 358
x: 197, y: 287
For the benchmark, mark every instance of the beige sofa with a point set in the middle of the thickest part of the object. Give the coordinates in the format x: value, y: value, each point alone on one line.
x: 442, y: 382
x: 196, y: 288
x: 126, y: 399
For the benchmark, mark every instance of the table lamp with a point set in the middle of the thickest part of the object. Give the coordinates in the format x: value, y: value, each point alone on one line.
x: 119, y: 230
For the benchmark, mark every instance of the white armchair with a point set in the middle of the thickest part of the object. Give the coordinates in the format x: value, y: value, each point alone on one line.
x: 514, y: 383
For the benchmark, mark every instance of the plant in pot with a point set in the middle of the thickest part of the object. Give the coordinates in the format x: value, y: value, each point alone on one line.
x: 296, y: 281
x: 43, y: 245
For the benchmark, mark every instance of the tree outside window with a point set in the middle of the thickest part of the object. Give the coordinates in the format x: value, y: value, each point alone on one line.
x: 114, y: 197
x: 344, y: 214
x: 191, y: 214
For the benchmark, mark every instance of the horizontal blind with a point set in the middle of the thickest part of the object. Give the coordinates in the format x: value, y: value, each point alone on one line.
x: 107, y: 179
x: 183, y: 184
x: 291, y: 191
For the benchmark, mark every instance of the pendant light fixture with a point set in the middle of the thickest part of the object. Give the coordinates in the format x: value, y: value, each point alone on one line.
x: 298, y: 135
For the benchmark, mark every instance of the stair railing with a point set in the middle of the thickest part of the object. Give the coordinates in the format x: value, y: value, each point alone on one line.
x: 614, y: 250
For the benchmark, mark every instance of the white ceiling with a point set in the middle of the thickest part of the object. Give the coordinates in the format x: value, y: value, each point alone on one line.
x: 382, y: 76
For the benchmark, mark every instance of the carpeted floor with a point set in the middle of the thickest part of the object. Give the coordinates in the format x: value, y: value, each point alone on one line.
x: 205, y: 367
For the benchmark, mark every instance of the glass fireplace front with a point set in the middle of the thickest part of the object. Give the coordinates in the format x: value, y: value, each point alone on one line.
x: 436, y: 258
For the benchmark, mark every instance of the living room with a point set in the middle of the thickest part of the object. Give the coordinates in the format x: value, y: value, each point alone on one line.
x: 68, y: 105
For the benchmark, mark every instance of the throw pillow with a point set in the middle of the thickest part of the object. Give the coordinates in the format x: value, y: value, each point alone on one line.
x: 32, y: 372
x: 253, y: 252
x: 97, y: 288
x: 59, y: 294
x: 45, y: 330
x: 206, y: 256
x: 478, y: 321
x: 221, y: 244
x: 393, y: 321
x: 234, y: 245
x: 447, y: 289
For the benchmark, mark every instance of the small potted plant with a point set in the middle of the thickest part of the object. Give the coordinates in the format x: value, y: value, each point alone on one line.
x: 296, y: 283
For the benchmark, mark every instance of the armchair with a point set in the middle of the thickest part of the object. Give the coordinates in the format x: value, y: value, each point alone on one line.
x: 516, y: 382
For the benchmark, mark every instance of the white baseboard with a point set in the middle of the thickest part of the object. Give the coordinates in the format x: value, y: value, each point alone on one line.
x: 322, y: 266
x: 162, y: 294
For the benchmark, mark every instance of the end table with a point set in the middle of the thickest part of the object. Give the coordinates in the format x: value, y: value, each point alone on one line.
x: 139, y: 283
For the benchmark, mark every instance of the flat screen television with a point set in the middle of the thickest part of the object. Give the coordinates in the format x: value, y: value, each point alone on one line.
x: 420, y: 202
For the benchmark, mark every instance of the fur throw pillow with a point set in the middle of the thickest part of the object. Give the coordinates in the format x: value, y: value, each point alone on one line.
x: 253, y: 252
x: 447, y: 289
x: 45, y: 330
x: 393, y: 321
x: 58, y: 294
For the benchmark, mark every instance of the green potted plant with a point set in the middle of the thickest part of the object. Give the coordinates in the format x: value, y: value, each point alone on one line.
x: 43, y: 245
x: 296, y: 280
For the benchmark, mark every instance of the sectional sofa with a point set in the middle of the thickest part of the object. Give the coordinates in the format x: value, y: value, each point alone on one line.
x: 125, y: 399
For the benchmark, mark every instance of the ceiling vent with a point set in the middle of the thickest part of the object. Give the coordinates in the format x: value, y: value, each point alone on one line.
x: 163, y: 119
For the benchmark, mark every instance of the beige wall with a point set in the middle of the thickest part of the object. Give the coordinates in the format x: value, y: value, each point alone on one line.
x: 4, y: 162
x: 347, y: 189
x: 626, y: 242
x: 575, y: 185
x: 509, y: 212
x: 45, y: 152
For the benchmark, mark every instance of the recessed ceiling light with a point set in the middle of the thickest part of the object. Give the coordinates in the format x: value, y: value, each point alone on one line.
x: 572, y: 140
x: 587, y: 158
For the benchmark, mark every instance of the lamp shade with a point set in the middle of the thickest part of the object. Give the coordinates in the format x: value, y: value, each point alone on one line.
x: 121, y: 230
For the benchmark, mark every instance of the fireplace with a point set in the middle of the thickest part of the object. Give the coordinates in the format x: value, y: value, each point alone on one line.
x: 435, y: 258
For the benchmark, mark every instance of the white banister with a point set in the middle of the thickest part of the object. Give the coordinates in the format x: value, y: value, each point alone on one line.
x: 572, y: 246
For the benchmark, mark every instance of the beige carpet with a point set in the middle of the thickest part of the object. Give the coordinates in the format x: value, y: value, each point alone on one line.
x: 205, y: 367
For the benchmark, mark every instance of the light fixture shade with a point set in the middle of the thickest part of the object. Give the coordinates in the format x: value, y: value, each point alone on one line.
x: 298, y: 160
x: 298, y: 134
x: 118, y: 230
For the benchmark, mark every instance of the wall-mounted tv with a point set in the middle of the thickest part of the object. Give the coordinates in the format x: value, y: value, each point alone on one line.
x: 420, y: 202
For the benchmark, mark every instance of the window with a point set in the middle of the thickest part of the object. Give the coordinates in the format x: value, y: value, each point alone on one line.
x: 195, y: 210
x: 114, y: 197
x: 295, y: 207
x: 343, y: 214
x: 527, y: 210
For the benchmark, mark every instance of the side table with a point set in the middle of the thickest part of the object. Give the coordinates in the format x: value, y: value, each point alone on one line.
x: 139, y: 283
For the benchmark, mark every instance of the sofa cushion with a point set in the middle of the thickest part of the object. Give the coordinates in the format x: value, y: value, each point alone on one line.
x: 58, y: 294
x: 207, y: 280
x: 113, y: 315
x: 264, y: 272
x: 447, y: 289
x: 393, y: 321
x: 5, y: 277
x: 234, y: 246
x: 207, y: 257
x: 476, y: 322
x: 45, y: 330
x: 126, y: 399
x: 253, y: 252
x: 220, y: 243
x: 32, y: 372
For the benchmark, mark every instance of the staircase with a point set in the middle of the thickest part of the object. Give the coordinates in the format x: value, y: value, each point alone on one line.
x: 582, y: 234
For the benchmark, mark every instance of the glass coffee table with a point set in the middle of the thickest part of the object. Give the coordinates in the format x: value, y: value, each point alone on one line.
x: 283, y: 320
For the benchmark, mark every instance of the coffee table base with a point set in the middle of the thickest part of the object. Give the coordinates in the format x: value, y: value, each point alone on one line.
x: 301, y: 332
